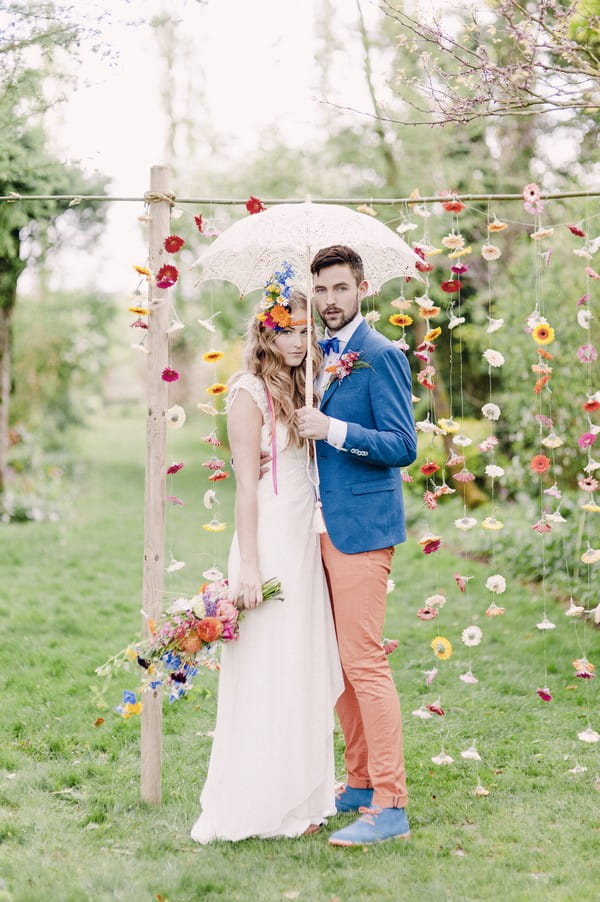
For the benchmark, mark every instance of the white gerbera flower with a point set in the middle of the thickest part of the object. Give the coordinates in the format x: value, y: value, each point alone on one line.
x: 494, y: 358
x: 494, y: 471
x: 589, y: 735
x: 490, y: 252
x: 496, y: 583
x: 584, y: 318
x: 546, y: 624
x: 471, y: 636
x: 494, y: 324
x: 465, y: 523
x: 443, y: 758
x: 176, y: 416
x: 471, y: 754
x: 491, y: 411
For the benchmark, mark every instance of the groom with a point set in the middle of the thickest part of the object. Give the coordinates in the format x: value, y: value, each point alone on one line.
x: 365, y: 431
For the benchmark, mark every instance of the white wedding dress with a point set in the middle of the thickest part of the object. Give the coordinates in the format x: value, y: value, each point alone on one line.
x: 271, y: 770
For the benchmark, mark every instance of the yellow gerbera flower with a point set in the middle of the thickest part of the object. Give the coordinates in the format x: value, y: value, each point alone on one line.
x: 142, y: 270
x: 212, y: 356
x: 543, y: 334
x: 459, y: 252
x: 141, y: 311
x: 442, y: 649
x: 400, y: 319
x: 432, y: 334
x: 217, y: 389
x: 214, y: 526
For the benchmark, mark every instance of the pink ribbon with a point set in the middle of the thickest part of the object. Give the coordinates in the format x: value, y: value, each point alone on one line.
x: 273, y: 440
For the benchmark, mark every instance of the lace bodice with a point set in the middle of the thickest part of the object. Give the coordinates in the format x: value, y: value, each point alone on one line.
x: 255, y: 388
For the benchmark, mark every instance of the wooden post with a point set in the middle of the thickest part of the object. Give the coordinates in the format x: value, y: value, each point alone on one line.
x: 155, y: 485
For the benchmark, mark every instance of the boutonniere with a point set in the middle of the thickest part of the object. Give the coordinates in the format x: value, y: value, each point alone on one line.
x: 344, y: 367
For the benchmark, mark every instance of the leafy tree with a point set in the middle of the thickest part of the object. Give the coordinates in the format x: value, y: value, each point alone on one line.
x: 34, y: 34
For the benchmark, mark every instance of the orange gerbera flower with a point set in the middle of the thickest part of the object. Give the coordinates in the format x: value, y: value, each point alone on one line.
x: 400, y: 319
x: 543, y: 334
x: 217, y: 389
x: 543, y: 380
x: 280, y: 315
x: 545, y: 354
x: 540, y: 463
x: 429, y: 312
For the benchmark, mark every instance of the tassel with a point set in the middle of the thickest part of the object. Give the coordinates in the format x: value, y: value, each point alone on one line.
x: 318, y: 519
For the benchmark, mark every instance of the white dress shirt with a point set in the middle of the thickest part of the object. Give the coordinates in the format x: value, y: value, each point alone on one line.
x: 336, y: 434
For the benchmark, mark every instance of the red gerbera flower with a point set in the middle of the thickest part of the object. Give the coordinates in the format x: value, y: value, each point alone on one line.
x: 429, y: 468
x: 199, y: 223
x: 173, y: 243
x: 422, y: 266
x: 453, y: 206
x: 451, y: 285
x: 436, y: 709
x: 166, y: 276
x: 540, y: 463
x: 576, y: 230
x: 254, y: 205
x: 591, y: 406
x: 174, y: 468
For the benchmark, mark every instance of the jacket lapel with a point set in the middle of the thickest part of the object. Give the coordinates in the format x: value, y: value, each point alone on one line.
x: 354, y: 344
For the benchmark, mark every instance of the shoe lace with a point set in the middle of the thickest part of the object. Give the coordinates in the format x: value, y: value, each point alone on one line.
x: 368, y: 815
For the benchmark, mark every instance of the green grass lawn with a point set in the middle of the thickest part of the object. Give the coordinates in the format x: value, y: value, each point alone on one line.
x: 72, y: 824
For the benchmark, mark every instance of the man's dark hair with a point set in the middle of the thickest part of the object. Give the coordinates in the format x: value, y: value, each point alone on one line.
x: 338, y: 253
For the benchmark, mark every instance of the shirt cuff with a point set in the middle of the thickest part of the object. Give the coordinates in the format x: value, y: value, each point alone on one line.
x: 336, y: 434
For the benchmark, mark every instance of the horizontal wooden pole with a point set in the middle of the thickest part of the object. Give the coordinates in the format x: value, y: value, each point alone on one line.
x: 236, y: 201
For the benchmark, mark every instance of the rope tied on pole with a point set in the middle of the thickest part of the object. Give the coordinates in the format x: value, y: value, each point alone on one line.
x: 155, y: 197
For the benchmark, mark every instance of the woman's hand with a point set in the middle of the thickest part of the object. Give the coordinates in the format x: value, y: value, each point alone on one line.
x: 249, y: 587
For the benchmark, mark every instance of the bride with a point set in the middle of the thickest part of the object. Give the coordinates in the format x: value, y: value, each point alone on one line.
x: 271, y: 770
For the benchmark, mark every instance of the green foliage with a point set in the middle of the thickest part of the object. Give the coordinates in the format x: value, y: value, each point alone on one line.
x: 61, y: 353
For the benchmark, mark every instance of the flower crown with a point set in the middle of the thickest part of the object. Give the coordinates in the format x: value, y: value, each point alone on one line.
x: 275, y: 307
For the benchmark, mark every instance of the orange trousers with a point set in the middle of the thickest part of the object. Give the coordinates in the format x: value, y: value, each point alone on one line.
x: 368, y: 709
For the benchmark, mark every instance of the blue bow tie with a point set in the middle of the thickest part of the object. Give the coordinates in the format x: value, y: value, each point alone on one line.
x: 330, y: 344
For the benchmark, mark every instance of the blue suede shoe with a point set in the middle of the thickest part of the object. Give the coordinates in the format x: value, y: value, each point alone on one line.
x: 375, y: 825
x: 348, y: 798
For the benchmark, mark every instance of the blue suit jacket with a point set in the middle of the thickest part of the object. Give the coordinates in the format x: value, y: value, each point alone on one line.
x: 361, y: 488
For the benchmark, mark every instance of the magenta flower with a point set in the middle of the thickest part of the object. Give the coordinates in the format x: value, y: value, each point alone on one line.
x: 169, y: 375
x: 586, y: 440
x: 166, y: 276
x: 544, y: 694
x: 174, y: 468
x: 436, y: 708
x: 174, y: 499
x: 587, y: 353
x: 583, y: 300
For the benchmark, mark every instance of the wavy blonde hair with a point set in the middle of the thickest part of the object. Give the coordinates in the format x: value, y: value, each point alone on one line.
x: 262, y: 358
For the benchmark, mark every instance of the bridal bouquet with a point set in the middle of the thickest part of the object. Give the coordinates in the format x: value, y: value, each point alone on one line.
x: 183, y: 640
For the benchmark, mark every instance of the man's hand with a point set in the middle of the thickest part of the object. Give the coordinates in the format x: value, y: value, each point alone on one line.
x: 265, y: 460
x: 312, y: 423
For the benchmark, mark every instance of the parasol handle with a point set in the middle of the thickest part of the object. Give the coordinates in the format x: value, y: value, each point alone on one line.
x: 308, y: 388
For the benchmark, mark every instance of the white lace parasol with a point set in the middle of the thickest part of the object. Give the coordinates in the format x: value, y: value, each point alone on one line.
x: 253, y: 248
